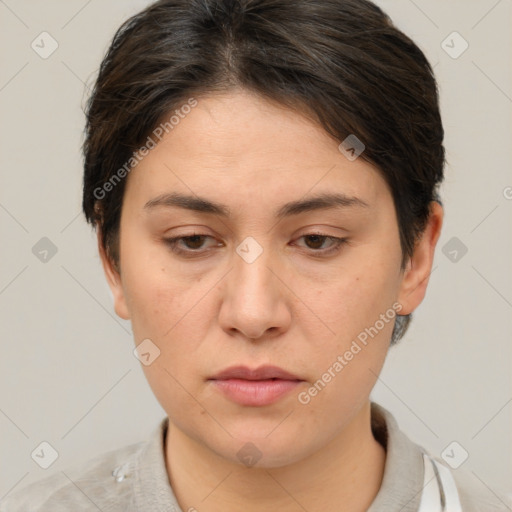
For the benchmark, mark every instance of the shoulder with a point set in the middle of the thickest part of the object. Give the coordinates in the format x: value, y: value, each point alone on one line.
x: 475, y: 495
x: 86, y: 486
x: 416, y: 476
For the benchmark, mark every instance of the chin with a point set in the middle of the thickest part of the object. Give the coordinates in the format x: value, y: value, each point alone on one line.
x: 261, y: 450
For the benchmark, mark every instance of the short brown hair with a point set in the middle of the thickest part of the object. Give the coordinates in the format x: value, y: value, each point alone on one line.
x: 342, y: 61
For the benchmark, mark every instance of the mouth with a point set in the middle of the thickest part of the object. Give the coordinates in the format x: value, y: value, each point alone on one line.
x: 255, y: 387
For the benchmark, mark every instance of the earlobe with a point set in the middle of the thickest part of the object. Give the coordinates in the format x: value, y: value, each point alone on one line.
x: 419, y: 267
x: 113, y: 280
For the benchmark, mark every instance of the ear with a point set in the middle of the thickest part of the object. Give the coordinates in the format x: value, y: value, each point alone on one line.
x: 416, y: 275
x: 113, y: 280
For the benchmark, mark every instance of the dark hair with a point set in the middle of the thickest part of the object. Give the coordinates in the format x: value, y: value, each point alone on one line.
x: 340, y: 61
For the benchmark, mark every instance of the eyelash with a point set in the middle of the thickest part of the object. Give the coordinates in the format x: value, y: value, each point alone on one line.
x: 173, y: 244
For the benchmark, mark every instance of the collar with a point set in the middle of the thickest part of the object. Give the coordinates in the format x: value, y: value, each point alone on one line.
x: 400, y: 490
x: 402, y: 483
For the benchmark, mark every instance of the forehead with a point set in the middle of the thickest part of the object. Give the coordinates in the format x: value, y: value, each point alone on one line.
x: 240, y: 145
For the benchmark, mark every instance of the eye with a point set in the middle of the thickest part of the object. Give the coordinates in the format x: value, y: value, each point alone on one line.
x: 188, y: 244
x: 315, y: 242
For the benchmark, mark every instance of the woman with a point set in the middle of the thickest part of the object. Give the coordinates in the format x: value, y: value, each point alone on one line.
x: 263, y: 177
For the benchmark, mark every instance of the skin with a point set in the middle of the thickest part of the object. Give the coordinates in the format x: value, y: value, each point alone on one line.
x: 290, y: 307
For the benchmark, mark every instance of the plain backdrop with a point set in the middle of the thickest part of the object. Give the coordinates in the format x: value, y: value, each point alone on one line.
x: 68, y: 374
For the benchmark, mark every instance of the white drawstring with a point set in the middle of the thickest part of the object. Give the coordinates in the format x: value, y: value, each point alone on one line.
x: 439, y: 490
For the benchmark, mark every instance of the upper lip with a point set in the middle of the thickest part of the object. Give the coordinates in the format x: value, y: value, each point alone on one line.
x: 262, y: 373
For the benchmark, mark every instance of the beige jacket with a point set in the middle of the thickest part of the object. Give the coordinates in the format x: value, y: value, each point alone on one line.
x: 134, y: 479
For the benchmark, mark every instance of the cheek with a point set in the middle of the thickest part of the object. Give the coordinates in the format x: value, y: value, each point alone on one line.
x: 355, y: 301
x: 153, y: 296
x: 170, y: 313
x: 169, y: 306
x: 346, y: 364
x: 151, y: 300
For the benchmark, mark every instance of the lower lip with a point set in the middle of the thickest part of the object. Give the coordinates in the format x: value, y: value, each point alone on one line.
x: 255, y: 392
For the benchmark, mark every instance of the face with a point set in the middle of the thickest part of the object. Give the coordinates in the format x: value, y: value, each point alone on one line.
x: 248, y: 239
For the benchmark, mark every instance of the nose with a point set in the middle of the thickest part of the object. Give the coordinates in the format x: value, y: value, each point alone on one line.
x: 255, y: 300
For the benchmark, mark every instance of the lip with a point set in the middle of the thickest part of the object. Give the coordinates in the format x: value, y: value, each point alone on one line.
x: 255, y: 387
x: 262, y: 373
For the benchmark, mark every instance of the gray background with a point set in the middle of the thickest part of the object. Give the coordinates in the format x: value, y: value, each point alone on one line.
x: 68, y: 374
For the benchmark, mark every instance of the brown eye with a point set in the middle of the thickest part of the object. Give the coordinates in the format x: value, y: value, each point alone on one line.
x: 189, y: 245
x: 194, y: 242
x: 315, y: 242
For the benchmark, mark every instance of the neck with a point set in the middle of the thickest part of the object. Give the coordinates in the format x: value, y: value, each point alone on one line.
x: 347, y: 471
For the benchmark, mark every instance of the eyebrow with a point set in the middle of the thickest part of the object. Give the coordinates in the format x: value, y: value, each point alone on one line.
x: 200, y: 204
